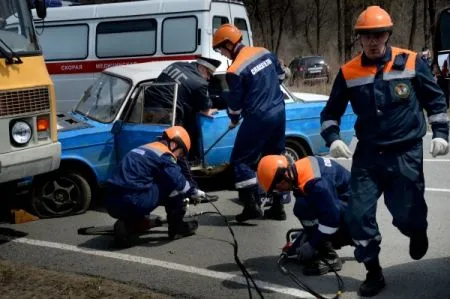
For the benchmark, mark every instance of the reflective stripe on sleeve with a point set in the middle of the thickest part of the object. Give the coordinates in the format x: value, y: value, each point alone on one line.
x: 328, y: 123
x: 327, y: 229
x: 246, y: 183
x: 438, y: 118
x: 186, y: 188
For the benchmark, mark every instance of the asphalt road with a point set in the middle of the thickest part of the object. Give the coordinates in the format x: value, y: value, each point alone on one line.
x: 202, y: 266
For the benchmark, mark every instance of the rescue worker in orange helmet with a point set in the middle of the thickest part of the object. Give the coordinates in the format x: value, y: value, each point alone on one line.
x: 254, y: 80
x: 320, y: 188
x: 148, y: 176
x: 388, y: 88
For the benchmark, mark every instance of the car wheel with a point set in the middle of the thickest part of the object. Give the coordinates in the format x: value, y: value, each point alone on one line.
x: 295, y: 150
x: 60, y: 194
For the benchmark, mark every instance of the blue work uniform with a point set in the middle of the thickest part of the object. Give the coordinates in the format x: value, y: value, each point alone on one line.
x: 388, y: 96
x: 255, y: 95
x: 321, y: 193
x: 148, y: 176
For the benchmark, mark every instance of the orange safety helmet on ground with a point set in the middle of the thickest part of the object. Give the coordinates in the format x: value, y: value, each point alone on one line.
x: 270, y: 170
x: 373, y: 19
x: 178, y: 135
x: 226, y: 32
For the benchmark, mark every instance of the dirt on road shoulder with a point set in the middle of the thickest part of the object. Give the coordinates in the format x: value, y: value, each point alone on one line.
x: 23, y: 281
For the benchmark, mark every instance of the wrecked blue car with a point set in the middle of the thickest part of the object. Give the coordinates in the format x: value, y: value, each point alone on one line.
x: 111, y: 118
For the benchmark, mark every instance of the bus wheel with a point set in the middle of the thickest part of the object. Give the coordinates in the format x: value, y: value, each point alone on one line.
x: 60, y: 194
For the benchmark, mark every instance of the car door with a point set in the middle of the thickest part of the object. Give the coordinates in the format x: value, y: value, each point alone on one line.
x: 142, y: 122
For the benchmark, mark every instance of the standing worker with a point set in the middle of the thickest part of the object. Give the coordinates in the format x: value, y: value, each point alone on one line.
x: 254, y: 83
x: 320, y: 188
x: 388, y: 88
x: 147, y: 177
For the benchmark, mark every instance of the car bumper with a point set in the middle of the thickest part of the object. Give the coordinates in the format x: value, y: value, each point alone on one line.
x: 29, y: 162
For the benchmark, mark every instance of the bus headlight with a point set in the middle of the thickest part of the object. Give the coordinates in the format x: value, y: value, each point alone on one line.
x: 21, y: 132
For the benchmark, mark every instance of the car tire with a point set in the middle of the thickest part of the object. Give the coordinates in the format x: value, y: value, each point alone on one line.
x: 295, y: 150
x: 60, y: 194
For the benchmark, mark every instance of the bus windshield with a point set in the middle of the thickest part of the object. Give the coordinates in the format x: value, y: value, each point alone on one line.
x: 17, y: 32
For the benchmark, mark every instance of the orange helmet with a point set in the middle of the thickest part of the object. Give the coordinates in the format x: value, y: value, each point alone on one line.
x: 270, y: 170
x: 226, y: 32
x: 373, y: 19
x: 178, y: 135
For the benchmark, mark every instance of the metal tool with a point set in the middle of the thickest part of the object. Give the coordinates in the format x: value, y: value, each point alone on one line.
x: 217, y: 141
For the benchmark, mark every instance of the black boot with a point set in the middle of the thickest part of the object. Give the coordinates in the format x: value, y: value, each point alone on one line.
x: 326, y: 261
x: 276, y: 211
x: 123, y: 237
x: 252, y: 210
x: 176, y: 209
x: 418, y: 245
x: 374, y: 282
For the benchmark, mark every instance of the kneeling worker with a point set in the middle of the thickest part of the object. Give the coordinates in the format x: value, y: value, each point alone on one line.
x: 320, y: 187
x: 148, y: 176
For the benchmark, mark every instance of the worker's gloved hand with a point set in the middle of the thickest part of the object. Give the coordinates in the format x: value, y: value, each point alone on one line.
x: 305, y: 252
x: 439, y: 146
x: 339, y: 149
x: 197, y: 196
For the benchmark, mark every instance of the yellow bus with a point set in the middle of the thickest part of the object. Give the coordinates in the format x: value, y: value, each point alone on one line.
x: 28, y: 134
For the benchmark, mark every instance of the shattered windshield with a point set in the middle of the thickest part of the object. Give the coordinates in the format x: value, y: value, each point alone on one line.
x: 16, y: 28
x: 104, y: 98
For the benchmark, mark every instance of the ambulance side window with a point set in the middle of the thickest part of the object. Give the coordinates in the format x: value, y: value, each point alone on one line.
x: 179, y: 35
x: 72, y: 41
x: 139, y: 36
x: 218, y: 21
x: 241, y: 24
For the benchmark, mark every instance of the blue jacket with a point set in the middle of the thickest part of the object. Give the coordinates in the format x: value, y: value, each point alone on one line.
x: 323, y: 185
x: 251, y: 79
x: 151, y: 164
x: 388, y: 96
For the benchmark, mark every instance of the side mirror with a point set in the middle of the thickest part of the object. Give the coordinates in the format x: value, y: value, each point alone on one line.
x: 443, y: 63
x: 41, y: 10
x: 117, y: 127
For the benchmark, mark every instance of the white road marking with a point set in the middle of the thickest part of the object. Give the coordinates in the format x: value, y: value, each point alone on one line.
x: 163, y: 264
x: 437, y: 190
x: 424, y: 160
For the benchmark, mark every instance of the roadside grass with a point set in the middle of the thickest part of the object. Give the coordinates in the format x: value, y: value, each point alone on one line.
x: 23, y: 281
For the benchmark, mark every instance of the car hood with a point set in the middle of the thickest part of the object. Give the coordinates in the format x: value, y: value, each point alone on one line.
x: 311, y: 97
x: 67, y: 122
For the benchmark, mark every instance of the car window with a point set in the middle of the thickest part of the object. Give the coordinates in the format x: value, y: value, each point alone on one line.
x: 218, y: 90
x: 104, y: 98
x: 315, y: 60
x: 147, y: 107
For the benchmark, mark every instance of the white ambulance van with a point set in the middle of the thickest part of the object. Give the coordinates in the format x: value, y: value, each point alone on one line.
x: 78, y: 42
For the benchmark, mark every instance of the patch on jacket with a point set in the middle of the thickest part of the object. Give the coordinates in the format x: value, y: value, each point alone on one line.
x: 402, y: 90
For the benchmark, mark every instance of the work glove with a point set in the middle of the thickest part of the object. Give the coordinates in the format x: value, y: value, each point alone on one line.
x: 339, y: 149
x: 305, y: 252
x: 438, y: 147
x: 197, y: 196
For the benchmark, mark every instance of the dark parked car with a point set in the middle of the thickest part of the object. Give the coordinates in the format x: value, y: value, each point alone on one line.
x: 309, y: 69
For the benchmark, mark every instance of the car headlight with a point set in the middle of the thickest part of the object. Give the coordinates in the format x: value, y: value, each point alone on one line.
x: 21, y: 132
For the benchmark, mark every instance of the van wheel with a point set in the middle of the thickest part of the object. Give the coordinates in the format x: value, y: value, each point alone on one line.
x: 60, y: 194
x: 295, y: 150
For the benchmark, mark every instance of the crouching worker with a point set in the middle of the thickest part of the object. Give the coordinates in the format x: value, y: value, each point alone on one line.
x: 320, y: 187
x: 147, y: 177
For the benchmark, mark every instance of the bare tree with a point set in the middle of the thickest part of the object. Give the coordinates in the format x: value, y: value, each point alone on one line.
x: 426, y: 30
x: 321, y: 21
x: 339, y: 30
x: 270, y: 16
x: 432, y: 14
x: 412, y: 32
